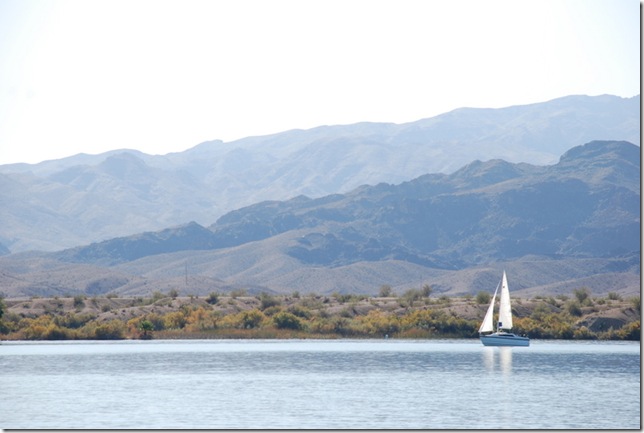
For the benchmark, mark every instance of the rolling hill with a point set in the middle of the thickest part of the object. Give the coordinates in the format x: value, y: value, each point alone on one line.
x: 90, y: 198
x: 552, y: 227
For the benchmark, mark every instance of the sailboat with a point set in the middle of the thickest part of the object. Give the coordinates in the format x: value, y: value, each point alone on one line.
x: 502, y: 336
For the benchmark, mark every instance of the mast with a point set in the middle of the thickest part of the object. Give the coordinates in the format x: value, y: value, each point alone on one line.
x: 505, y: 309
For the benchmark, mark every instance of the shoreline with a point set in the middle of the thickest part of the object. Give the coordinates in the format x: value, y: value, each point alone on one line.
x: 310, y: 317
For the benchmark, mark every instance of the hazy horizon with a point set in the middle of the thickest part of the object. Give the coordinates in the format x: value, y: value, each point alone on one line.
x: 164, y: 76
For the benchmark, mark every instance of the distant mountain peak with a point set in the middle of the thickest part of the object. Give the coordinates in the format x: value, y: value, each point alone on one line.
x: 479, y: 173
x: 603, y: 148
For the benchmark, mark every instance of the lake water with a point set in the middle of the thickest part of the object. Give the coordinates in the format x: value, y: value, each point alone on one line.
x: 398, y: 384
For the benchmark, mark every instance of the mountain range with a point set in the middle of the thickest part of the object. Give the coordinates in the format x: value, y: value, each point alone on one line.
x: 82, y: 199
x: 552, y: 227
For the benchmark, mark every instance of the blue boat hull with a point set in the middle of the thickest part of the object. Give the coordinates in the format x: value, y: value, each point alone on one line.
x: 504, y: 339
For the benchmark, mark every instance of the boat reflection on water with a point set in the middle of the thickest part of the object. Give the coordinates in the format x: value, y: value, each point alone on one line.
x: 504, y: 355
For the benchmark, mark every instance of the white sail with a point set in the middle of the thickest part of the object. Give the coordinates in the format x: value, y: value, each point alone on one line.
x: 505, y: 309
x: 502, y: 336
x: 488, y: 325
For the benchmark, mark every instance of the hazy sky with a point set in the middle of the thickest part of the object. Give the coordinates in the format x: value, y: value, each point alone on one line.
x: 164, y: 75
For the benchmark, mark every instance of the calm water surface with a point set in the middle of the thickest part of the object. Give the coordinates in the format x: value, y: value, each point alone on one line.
x: 319, y: 384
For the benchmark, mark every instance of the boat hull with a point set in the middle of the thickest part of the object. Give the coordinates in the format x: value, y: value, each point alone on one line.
x: 504, y: 339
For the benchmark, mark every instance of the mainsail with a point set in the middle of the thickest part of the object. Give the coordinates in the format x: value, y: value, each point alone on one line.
x: 505, y: 310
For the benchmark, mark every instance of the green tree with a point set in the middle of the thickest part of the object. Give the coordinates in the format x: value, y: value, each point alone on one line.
x: 147, y: 327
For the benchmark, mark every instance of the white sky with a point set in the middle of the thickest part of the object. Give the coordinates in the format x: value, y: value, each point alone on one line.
x: 165, y: 75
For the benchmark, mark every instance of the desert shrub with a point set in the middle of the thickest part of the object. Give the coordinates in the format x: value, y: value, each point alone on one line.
x: 347, y: 312
x: 5, y: 326
x: 55, y: 332
x: 237, y: 293
x: 112, y: 330
x: 156, y: 296
x: 267, y: 301
x: 250, y: 319
x: 631, y: 331
x: 564, y: 331
x: 74, y: 321
x: 385, y: 291
x: 613, y: 296
x: 483, y: 298
x: 583, y: 295
x: 174, y: 320
x: 201, y: 319
x: 299, y: 311
x: 444, y: 299
x: 271, y: 311
x: 636, y: 303
x: 43, y: 328
x: 311, y: 302
x: 411, y: 295
x: 583, y: 333
x: 79, y: 301
x: 341, y: 325
x: 552, y: 301
x: 286, y: 320
x: 540, y: 311
x: 33, y: 329
x: 344, y: 298
x: 213, y: 298
x: 421, y: 319
x: 377, y: 322
x: 574, y: 308
x: 427, y: 290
